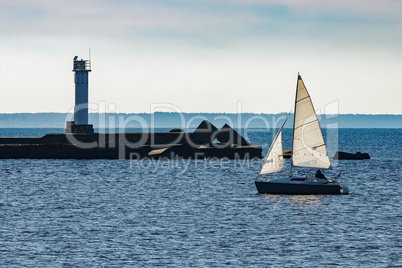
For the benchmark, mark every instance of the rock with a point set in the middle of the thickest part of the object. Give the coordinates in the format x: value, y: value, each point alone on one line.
x: 176, y: 130
x: 348, y: 156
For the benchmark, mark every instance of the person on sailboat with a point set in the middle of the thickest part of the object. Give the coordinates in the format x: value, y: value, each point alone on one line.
x: 319, y: 175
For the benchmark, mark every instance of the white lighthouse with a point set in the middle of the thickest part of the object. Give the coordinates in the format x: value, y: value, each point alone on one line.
x: 81, y: 69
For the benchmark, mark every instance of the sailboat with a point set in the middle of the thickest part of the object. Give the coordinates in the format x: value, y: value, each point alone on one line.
x: 308, y: 151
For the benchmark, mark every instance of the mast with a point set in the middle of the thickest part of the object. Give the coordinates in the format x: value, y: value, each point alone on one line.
x: 294, y: 121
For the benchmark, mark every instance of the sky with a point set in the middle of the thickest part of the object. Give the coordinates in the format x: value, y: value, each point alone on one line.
x: 202, y: 55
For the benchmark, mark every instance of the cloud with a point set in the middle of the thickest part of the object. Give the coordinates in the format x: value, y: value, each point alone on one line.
x: 215, y: 46
x: 385, y: 8
x: 206, y: 23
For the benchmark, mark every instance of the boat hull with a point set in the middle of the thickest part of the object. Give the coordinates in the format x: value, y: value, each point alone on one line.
x: 266, y: 187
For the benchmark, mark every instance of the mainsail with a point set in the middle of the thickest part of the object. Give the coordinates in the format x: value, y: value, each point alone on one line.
x: 273, y: 161
x: 309, y: 148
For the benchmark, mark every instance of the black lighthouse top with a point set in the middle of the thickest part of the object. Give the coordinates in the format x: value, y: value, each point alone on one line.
x: 81, y: 65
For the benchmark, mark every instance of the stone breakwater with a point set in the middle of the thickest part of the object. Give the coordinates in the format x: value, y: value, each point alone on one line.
x: 205, y: 142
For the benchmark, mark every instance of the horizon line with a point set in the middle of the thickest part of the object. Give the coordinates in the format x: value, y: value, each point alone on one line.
x: 190, y: 113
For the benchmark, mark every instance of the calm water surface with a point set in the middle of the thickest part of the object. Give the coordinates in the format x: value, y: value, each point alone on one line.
x: 177, y: 213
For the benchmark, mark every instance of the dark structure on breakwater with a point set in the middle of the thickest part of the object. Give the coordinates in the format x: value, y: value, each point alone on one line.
x: 80, y: 141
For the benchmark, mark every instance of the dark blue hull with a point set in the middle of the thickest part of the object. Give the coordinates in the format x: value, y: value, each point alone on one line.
x: 265, y: 187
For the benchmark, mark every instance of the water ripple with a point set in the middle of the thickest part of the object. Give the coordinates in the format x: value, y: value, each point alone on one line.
x: 113, y: 213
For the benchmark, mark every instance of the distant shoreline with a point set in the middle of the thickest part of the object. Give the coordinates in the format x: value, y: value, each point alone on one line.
x: 191, y: 120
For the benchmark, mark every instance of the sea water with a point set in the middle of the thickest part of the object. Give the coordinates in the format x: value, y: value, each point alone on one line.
x: 201, y: 213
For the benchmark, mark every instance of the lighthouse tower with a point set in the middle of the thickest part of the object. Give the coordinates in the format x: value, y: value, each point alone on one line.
x: 81, y: 69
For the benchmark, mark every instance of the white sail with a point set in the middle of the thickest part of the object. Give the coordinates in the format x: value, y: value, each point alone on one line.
x: 309, y: 148
x: 273, y: 161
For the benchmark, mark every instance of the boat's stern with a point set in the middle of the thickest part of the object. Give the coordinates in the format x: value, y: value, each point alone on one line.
x: 344, y: 189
